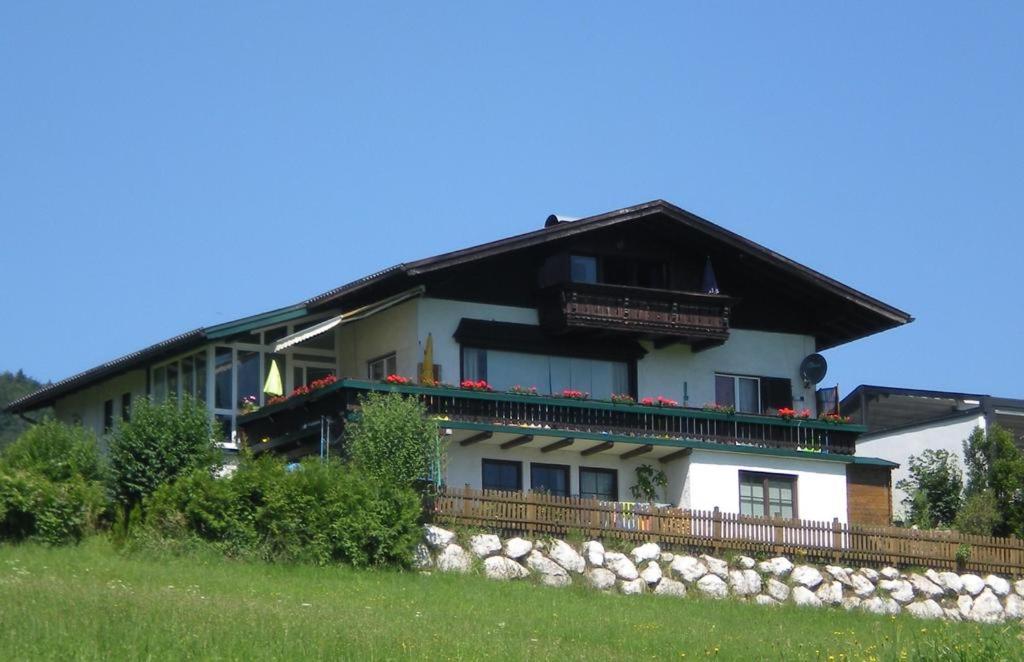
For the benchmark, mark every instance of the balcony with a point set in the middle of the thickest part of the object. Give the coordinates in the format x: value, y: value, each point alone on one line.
x: 701, y: 320
x: 477, y: 413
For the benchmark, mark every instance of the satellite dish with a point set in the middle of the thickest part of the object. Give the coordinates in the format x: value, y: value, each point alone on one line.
x: 813, y: 368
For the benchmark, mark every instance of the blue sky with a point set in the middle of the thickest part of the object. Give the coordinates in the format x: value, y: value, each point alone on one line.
x: 168, y: 167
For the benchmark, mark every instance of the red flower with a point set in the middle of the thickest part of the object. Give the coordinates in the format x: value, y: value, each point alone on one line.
x: 397, y: 379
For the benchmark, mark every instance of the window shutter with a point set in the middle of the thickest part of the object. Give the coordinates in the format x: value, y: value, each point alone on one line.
x: 776, y: 392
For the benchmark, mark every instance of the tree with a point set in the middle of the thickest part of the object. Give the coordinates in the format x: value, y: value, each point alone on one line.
x: 14, y: 385
x: 394, y: 441
x: 160, y: 442
x: 996, y: 465
x: 933, y: 489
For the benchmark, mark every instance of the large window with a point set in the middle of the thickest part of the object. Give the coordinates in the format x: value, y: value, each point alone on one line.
x: 502, y: 475
x: 600, y: 484
x: 742, y: 393
x: 767, y: 495
x: 379, y: 368
x: 583, y: 268
x: 550, y: 374
x: 108, y: 415
x: 549, y: 478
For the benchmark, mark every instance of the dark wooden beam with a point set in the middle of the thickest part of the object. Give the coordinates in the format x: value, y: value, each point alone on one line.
x: 518, y: 441
x: 676, y: 455
x: 597, y: 449
x: 476, y: 438
x: 561, y: 443
x: 639, y: 450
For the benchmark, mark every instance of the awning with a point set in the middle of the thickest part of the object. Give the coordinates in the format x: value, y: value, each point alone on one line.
x: 345, y: 318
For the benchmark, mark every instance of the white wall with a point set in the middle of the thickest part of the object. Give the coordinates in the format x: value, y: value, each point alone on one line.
x: 87, y: 405
x: 714, y: 480
x: 900, y: 445
x: 391, y: 330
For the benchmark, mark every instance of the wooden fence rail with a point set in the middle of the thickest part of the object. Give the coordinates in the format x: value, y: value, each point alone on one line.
x: 714, y: 531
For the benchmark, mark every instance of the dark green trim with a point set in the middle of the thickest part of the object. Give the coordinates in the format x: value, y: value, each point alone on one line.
x: 256, y: 322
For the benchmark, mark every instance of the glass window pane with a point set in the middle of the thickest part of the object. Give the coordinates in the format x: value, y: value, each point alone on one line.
x: 725, y: 391
x: 552, y: 479
x: 392, y: 364
x: 598, y: 484
x: 583, y: 269
x: 172, y: 380
x: 313, y: 358
x: 222, y: 378
x: 502, y: 475
x: 248, y: 377
x: 200, y: 368
x: 159, y: 384
x: 474, y: 363
x: 188, y: 383
x: 273, y: 335
x: 222, y: 426
x: 313, y: 374
x: 299, y: 377
x: 749, y: 400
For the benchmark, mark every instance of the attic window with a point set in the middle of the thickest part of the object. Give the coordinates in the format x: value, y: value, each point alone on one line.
x: 583, y: 268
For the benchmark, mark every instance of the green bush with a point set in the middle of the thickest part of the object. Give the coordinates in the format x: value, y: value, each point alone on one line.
x: 32, y: 507
x: 393, y: 440
x: 317, y: 513
x: 979, y: 514
x: 996, y: 465
x: 160, y: 442
x: 933, y: 488
x: 57, y: 451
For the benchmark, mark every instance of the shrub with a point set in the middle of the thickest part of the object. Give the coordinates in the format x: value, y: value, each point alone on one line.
x: 648, y: 481
x: 57, y: 451
x: 318, y: 513
x: 979, y: 514
x: 160, y: 442
x: 32, y: 507
x: 394, y: 441
x: 995, y: 464
x: 933, y: 488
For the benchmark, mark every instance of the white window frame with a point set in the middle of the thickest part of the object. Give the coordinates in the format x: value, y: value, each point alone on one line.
x: 736, y: 390
x: 383, y: 358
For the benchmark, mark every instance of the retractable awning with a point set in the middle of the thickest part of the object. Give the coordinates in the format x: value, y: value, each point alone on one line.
x: 345, y: 318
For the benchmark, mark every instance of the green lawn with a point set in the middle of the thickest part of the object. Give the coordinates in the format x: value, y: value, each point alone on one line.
x: 90, y: 602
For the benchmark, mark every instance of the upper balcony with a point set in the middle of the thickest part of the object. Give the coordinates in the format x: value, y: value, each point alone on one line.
x: 698, y: 319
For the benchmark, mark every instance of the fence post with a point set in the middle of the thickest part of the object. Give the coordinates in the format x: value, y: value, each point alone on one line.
x: 716, y: 528
x: 531, y: 514
x: 777, y: 536
x: 837, y: 540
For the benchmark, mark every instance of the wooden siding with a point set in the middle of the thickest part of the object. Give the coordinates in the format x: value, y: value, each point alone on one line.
x: 869, y: 495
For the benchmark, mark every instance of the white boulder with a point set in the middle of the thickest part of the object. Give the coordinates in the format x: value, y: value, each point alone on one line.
x: 973, y: 584
x: 1018, y: 587
x: 1014, y: 606
x: 899, y: 590
x: 830, y: 593
x: 986, y: 608
x: 503, y: 568
x: 744, y: 582
x: 600, y: 578
x: 950, y: 582
x: 766, y: 601
x: 517, y: 548
x: 485, y: 544
x: 453, y: 559
x: 862, y: 586
x: 870, y: 573
x: 670, y: 587
x: 551, y: 574
x: 851, y: 603
x: 890, y: 573
x: 802, y: 597
x: 712, y: 586
x: 778, y: 590
x: 421, y: 557
x: 651, y: 573
x: 926, y: 609
x: 964, y: 604
x: 716, y: 566
x: 437, y: 537
x: 807, y: 576
x: 634, y: 587
x: 564, y: 555
x: 621, y: 565
x: 952, y: 614
x: 667, y: 557
x: 840, y: 575
x: 926, y: 587
x: 745, y: 562
x: 688, y: 568
x: 999, y: 586
x: 779, y: 566
x: 877, y: 605
x: 593, y: 552
x: 645, y: 552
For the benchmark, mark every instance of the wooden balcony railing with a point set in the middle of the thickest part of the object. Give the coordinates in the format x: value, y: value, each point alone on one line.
x: 687, y: 316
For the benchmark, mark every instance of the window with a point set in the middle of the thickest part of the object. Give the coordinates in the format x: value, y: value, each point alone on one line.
x: 583, y: 269
x: 550, y: 374
x: 767, y: 495
x: 126, y: 406
x: 223, y: 376
x: 743, y: 393
x: 600, y: 484
x: 108, y: 415
x: 378, y: 369
x: 503, y: 475
x: 549, y: 478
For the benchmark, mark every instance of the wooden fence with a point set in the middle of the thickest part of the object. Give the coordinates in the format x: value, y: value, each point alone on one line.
x: 714, y: 531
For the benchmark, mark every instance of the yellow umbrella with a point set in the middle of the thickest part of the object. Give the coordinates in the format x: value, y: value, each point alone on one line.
x: 427, y: 369
x: 273, y: 385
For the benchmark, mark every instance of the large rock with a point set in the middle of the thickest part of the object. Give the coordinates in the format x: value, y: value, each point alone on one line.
x: 421, y: 557
x: 745, y: 582
x: 948, y: 581
x: 986, y: 608
x: 437, y: 537
x: 862, y: 586
x: 964, y: 604
x: 652, y: 573
x: 634, y: 587
x: 745, y: 562
x: 766, y: 601
x: 593, y: 552
x: 890, y: 573
x: 851, y: 603
x: 551, y: 574
x: 926, y: 609
x: 999, y: 586
x: 453, y: 559
x: 645, y: 552
x: 779, y: 566
x: 621, y: 565
x: 517, y: 548
x: 830, y: 593
x: 667, y: 558
x: 806, y: 576
x: 716, y: 566
x: 1018, y: 587
x: 877, y: 605
x: 564, y: 555
x: 870, y: 573
x: 925, y: 587
x: 600, y: 578
x: 485, y: 544
x: 802, y: 597
x: 688, y: 568
x: 712, y: 586
x: 840, y: 575
x: 899, y: 590
x: 973, y: 584
x: 777, y: 589
x: 502, y: 567
x: 670, y: 587
x: 1014, y: 606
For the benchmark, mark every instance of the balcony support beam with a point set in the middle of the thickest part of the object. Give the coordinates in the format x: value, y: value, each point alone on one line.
x: 639, y: 450
x: 597, y: 449
x: 476, y: 438
x: 685, y: 452
x: 561, y: 443
x: 518, y: 441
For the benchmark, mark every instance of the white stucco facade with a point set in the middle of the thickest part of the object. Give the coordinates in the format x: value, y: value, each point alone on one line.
x: 87, y: 406
x: 899, y: 445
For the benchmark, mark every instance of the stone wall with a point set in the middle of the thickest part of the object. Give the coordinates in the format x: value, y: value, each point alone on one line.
x: 647, y: 569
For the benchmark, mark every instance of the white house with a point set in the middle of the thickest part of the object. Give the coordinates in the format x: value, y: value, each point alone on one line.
x: 903, y: 422
x: 597, y: 315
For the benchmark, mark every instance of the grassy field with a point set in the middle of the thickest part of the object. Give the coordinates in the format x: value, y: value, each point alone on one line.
x: 90, y: 602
